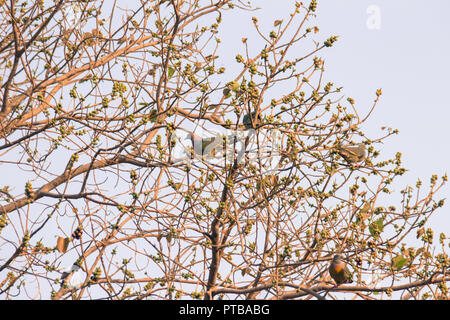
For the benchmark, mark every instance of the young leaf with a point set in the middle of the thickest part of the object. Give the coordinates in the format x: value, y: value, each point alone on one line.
x: 376, y: 228
x: 62, y: 244
x: 399, y: 262
x: 170, y: 72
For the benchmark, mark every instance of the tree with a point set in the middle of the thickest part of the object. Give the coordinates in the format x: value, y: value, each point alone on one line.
x: 95, y: 100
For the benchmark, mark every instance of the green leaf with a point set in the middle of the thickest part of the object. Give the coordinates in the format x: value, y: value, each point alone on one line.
x: 170, y: 72
x: 376, y: 228
x: 399, y: 262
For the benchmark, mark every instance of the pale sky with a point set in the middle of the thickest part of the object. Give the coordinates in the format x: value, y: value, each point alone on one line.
x: 408, y: 57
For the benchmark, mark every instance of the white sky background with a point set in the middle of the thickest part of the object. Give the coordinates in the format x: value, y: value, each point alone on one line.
x: 408, y: 57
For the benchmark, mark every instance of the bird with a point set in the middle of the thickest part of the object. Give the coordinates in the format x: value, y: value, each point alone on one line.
x: 251, y: 118
x: 203, y: 145
x: 352, y: 154
x: 72, y: 277
x: 339, y: 271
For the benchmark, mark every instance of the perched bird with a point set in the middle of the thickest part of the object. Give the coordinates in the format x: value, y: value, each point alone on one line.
x: 72, y: 276
x: 249, y: 119
x: 352, y: 154
x: 203, y: 145
x: 339, y: 271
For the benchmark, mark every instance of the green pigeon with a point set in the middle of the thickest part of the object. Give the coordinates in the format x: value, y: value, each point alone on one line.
x: 353, y: 154
x: 248, y: 119
x: 201, y: 144
x: 339, y: 271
